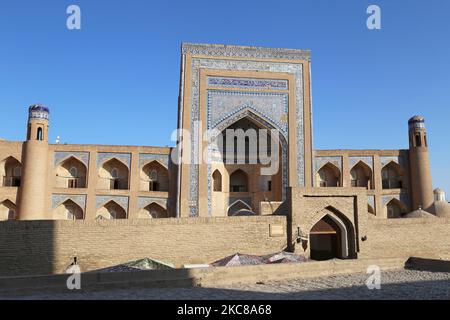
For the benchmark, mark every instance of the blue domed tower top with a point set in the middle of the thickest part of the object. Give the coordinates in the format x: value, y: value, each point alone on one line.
x: 38, y: 111
x: 416, y: 122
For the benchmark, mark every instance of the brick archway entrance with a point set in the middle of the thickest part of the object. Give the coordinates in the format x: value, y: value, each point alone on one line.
x: 325, y: 240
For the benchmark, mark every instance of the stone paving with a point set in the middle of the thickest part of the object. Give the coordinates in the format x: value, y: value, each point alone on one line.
x: 402, y: 284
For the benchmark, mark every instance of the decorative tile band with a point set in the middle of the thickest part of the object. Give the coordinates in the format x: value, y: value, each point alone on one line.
x: 145, y: 201
x: 400, y: 160
x: 251, y: 83
x: 102, y: 157
x: 58, y: 199
x: 145, y: 158
x: 61, y: 156
x: 120, y: 200
x: 244, y: 52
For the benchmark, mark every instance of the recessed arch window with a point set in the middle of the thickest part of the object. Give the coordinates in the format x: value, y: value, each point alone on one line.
x: 10, y: 175
x: 39, y: 135
x: 392, y: 176
x: 329, y: 176
x: 239, y: 181
x: 418, y: 140
x: 361, y: 175
x: 217, y: 178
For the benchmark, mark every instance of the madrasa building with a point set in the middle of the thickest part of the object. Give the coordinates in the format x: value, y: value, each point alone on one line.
x: 222, y: 88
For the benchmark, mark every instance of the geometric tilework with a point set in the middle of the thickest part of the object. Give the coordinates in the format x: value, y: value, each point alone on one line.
x: 102, y: 157
x: 218, y: 50
x: 60, y: 156
x: 402, y: 197
x: 319, y: 162
x: 397, y: 159
x: 57, y: 199
x: 145, y: 201
x: 120, y: 200
x: 145, y: 158
x: 272, y: 107
x: 352, y: 161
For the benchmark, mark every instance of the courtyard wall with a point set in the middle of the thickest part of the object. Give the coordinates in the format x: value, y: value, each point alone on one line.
x: 47, y: 247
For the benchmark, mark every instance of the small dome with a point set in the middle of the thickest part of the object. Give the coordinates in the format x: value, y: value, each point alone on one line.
x: 439, y: 195
x: 38, y: 111
x: 419, y: 214
x: 416, y: 119
x: 38, y: 108
x: 416, y: 123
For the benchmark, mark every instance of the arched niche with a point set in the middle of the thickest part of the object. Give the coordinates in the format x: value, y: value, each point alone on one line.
x: 329, y: 176
x: 154, y: 177
x: 71, y: 173
x: 113, y: 175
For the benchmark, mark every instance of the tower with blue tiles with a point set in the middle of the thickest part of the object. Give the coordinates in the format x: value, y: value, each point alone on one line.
x: 33, y: 190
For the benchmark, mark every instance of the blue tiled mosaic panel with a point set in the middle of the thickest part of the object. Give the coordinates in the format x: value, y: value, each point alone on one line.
x: 58, y: 199
x: 102, y: 200
x: 102, y: 157
x: 60, y: 156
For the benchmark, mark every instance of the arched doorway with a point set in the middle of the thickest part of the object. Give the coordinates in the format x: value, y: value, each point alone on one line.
x: 332, y: 237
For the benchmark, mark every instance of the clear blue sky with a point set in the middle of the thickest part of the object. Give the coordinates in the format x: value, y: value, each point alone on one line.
x: 116, y: 80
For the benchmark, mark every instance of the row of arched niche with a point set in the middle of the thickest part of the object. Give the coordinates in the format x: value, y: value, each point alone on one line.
x: 70, y: 210
x: 113, y: 174
x: 111, y: 210
x: 361, y: 175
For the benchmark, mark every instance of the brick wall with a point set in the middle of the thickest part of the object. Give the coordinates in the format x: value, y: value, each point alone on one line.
x: 45, y: 247
x: 409, y: 237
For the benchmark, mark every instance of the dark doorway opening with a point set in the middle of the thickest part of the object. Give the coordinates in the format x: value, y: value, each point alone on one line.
x: 325, y: 240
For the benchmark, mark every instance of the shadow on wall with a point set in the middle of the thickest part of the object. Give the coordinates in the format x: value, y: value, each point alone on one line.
x: 17, y: 248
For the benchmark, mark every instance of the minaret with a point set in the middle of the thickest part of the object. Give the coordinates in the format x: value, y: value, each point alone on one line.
x: 32, y: 197
x: 421, y: 186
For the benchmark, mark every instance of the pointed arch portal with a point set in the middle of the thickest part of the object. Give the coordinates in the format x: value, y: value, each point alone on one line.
x: 332, y: 237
